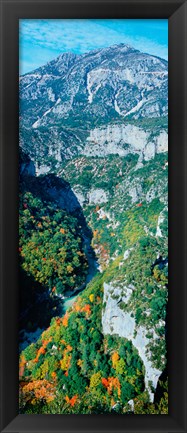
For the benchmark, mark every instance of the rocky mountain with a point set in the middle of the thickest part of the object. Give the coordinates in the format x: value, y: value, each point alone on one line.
x: 95, y: 129
x: 67, y: 103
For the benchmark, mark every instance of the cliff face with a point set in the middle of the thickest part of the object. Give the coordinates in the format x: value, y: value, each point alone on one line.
x: 116, y: 321
x: 123, y: 140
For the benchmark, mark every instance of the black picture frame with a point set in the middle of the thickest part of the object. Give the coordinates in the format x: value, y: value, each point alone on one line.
x: 11, y: 12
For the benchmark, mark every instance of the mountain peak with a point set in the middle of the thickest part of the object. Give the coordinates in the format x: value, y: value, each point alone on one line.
x: 67, y: 56
x: 116, y: 81
x: 124, y: 46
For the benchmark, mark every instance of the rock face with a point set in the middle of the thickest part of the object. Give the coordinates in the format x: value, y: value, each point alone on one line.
x: 160, y: 221
x: 116, y: 321
x: 123, y: 140
x: 57, y: 189
x: 97, y: 196
x: 65, y: 197
x: 60, y: 191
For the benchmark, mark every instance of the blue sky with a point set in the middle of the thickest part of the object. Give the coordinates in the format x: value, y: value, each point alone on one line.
x: 43, y: 40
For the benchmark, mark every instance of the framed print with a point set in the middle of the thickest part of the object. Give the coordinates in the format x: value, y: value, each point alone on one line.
x: 93, y: 176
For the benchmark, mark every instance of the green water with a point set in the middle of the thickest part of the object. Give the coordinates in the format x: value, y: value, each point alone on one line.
x: 69, y: 302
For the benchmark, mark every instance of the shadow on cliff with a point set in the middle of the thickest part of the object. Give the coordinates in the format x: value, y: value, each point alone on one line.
x: 51, y: 188
x: 37, y: 307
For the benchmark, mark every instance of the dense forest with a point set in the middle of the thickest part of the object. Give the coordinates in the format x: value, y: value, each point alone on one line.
x: 73, y: 367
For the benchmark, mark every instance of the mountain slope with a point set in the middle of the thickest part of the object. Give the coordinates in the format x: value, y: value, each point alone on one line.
x: 99, y: 122
x: 62, y: 102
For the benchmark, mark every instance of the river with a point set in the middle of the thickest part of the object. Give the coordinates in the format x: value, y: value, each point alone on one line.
x: 26, y: 338
x: 92, y: 270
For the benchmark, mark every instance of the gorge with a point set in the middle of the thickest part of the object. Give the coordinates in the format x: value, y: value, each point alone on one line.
x: 93, y: 223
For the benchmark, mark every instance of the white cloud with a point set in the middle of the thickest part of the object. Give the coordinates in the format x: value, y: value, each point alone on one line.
x: 80, y: 36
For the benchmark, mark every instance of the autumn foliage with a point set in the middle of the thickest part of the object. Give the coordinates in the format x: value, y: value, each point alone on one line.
x: 115, y: 358
x: 38, y: 390
x: 22, y: 364
x: 71, y: 401
x: 112, y: 383
x: 42, y: 349
x: 65, y: 320
x: 81, y: 370
x: 86, y: 309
